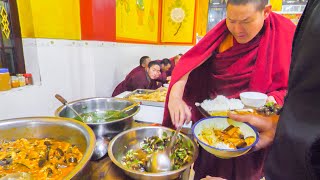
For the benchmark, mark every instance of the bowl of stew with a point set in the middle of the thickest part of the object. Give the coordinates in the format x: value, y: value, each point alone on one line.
x: 44, y: 148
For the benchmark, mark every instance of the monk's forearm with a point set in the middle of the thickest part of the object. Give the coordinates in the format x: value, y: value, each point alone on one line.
x: 178, y: 88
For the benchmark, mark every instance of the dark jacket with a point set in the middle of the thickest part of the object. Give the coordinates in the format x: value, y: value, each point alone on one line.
x: 295, y: 153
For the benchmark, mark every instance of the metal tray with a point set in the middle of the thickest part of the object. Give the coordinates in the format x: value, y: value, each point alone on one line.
x: 202, y: 111
x: 145, y: 102
x: 207, y: 114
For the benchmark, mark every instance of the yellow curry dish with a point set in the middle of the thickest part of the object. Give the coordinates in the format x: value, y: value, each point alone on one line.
x: 229, y: 138
x: 41, y: 158
x: 157, y: 96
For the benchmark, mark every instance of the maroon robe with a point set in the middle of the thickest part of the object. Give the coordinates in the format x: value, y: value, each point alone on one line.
x: 261, y: 65
x: 135, y: 80
x: 163, y: 77
x: 138, y: 68
x: 173, y: 64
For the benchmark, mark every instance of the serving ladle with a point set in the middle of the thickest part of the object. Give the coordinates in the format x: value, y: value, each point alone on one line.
x: 160, y: 161
x: 65, y: 102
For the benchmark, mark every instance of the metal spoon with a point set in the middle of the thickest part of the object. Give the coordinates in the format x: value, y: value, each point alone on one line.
x: 64, y: 102
x: 160, y: 161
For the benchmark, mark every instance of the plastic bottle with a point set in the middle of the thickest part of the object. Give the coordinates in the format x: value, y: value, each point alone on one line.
x: 22, y: 80
x: 28, y: 77
x: 5, y: 82
x: 15, y: 82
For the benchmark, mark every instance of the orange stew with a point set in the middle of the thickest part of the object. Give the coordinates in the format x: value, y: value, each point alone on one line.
x: 42, y: 158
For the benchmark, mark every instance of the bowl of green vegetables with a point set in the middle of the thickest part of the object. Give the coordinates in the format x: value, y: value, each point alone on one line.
x: 104, y: 116
x: 131, y: 150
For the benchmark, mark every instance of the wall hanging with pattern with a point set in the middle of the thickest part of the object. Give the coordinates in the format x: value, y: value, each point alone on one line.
x: 178, y: 19
x: 137, y: 20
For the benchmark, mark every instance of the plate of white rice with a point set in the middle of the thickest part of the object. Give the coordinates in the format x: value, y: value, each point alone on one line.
x: 221, y: 103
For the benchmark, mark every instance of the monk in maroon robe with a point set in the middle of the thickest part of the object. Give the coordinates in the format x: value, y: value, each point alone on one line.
x: 140, y: 80
x: 144, y: 61
x: 249, y: 51
x: 165, y: 66
x: 174, y: 60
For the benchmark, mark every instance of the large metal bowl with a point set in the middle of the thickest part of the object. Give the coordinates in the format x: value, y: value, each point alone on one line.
x: 56, y: 128
x: 104, y: 131
x: 132, y: 138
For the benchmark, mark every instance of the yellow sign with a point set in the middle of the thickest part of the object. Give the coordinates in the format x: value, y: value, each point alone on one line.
x: 276, y: 5
x: 137, y: 20
x: 58, y: 19
x: 25, y: 18
x: 178, y: 21
x: 202, y: 17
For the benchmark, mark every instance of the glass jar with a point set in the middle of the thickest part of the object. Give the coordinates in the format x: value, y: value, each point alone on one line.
x: 28, y: 77
x: 15, y: 82
x: 5, y: 83
x: 22, y: 80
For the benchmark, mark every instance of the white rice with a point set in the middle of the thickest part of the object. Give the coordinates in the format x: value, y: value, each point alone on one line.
x: 236, y: 104
x: 221, y: 103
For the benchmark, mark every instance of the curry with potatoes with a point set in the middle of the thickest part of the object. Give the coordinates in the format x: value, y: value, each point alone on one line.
x: 41, y: 158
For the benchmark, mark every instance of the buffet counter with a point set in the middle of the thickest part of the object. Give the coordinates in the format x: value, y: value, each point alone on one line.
x: 149, y: 114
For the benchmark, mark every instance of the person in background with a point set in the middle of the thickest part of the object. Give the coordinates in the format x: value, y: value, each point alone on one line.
x: 174, y: 60
x: 140, y: 79
x: 144, y: 61
x: 248, y: 51
x: 165, y: 66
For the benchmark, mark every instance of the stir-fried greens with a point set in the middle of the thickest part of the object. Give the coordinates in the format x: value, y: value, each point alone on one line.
x: 269, y: 109
x: 137, y: 159
x: 101, y: 116
x: 41, y: 158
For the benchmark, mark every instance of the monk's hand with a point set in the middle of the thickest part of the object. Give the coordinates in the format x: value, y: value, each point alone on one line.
x: 271, y: 99
x: 212, y: 178
x: 265, y: 125
x: 180, y: 112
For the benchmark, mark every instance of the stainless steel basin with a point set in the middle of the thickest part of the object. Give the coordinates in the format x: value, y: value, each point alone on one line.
x: 132, y: 138
x: 56, y: 128
x: 104, y: 131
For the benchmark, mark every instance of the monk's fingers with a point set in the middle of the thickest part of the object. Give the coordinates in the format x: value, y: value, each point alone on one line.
x: 172, y: 116
x: 271, y: 99
x: 259, y: 122
x: 176, y: 117
x: 182, y: 117
x: 188, y: 114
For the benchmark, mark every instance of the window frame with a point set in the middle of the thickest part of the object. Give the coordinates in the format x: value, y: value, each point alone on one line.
x: 15, y: 35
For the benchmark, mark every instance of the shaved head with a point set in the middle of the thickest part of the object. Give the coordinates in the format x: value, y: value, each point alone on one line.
x: 260, y: 4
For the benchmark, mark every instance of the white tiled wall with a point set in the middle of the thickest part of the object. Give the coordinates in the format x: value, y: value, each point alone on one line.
x: 74, y: 69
